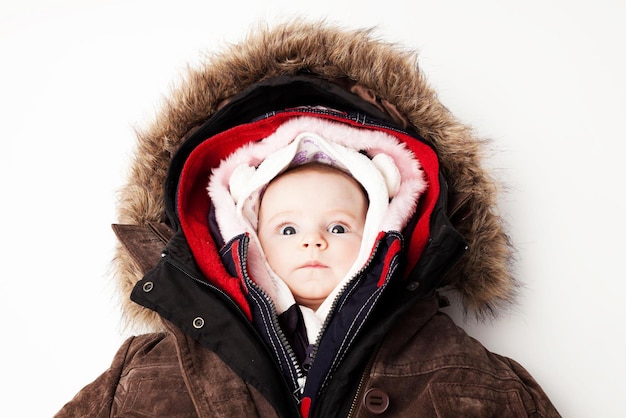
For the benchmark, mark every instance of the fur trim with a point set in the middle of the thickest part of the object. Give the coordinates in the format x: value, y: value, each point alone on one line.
x: 483, y: 277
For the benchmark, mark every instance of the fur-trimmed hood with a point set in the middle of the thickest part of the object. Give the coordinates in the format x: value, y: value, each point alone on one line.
x: 382, y: 73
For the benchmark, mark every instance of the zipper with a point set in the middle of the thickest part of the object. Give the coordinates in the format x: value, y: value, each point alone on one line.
x: 358, y: 117
x: 276, y: 328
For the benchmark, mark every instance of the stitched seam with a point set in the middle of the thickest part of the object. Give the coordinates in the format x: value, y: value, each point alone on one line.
x: 437, y: 369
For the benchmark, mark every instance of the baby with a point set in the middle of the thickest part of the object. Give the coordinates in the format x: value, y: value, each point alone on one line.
x: 310, y: 227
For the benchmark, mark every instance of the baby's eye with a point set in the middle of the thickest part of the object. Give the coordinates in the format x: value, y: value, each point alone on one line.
x: 287, y: 230
x: 338, y: 229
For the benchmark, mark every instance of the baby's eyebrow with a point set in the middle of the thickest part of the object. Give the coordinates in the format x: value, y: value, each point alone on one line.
x: 347, y: 213
x: 279, y: 217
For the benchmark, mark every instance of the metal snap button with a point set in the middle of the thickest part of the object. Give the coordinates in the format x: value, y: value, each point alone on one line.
x: 376, y: 401
x: 148, y: 286
x: 198, y: 323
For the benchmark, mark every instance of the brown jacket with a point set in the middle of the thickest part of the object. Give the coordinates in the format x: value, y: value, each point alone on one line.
x: 409, y: 359
x: 426, y: 367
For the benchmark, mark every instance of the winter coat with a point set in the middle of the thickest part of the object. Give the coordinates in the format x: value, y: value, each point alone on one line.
x: 426, y: 367
x: 217, y: 348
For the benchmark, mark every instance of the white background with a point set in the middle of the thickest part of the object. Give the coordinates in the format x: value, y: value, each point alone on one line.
x: 543, y: 79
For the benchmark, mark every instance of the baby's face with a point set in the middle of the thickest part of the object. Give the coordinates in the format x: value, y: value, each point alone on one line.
x: 310, y: 227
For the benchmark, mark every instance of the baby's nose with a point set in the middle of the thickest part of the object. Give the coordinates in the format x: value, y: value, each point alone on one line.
x: 314, y: 239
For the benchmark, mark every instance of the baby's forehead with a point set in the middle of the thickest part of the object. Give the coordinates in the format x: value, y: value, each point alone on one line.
x: 318, y: 169
x: 313, y: 193
x: 314, y: 168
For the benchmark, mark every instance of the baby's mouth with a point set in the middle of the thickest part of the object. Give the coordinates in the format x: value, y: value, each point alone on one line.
x: 313, y: 264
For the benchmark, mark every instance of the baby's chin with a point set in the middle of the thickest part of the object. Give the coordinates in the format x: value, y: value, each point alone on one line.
x: 312, y: 299
x: 311, y: 287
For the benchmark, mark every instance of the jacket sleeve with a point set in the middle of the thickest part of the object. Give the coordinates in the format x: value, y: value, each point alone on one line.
x: 96, y: 399
x: 543, y: 406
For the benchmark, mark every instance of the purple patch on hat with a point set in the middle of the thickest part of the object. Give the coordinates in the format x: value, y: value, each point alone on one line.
x: 323, y: 158
x: 300, y: 158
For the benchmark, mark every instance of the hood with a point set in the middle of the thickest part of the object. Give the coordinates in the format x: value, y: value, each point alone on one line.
x: 383, y: 74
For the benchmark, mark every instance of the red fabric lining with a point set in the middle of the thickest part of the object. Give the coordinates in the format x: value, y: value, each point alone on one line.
x: 193, y: 200
x: 236, y: 259
x: 393, y: 250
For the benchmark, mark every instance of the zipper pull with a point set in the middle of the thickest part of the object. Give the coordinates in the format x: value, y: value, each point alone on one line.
x: 308, y: 359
